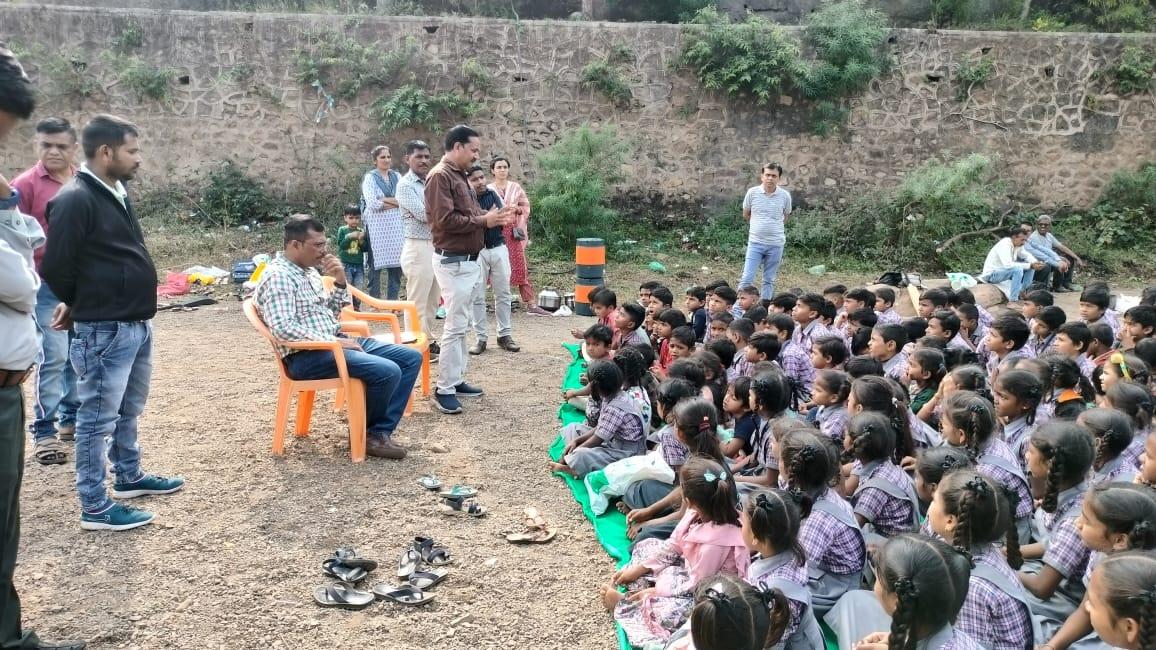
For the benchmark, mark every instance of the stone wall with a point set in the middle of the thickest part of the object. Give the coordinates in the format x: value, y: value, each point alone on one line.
x: 1059, y: 139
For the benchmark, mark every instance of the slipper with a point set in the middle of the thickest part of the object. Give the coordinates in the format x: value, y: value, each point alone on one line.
x: 430, y: 553
x: 347, y: 556
x: 405, y: 594
x: 342, y: 596
x: 464, y: 506
x: 459, y: 491
x: 426, y: 579
x: 409, y: 561
x: 50, y: 452
x: 430, y: 482
x: 336, y: 568
x: 537, y: 531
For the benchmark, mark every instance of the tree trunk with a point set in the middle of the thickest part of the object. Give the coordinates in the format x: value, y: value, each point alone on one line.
x: 1025, y: 10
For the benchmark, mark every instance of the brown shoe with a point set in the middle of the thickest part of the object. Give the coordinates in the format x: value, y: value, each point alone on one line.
x: 507, y: 344
x: 386, y: 448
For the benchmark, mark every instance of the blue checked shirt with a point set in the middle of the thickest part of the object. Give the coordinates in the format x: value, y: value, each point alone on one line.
x: 293, y: 303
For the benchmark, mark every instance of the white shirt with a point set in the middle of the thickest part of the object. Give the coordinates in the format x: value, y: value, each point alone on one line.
x: 1004, y: 255
x: 118, y: 191
x: 768, y: 212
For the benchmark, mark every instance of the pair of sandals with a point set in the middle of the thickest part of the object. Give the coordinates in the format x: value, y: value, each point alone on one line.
x: 537, y: 530
x: 457, y: 499
x: 348, y: 568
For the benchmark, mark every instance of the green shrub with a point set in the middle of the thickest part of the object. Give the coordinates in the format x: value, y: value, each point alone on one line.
x: 753, y: 59
x: 131, y: 37
x: 661, y: 11
x: 410, y: 106
x: 951, y: 12
x: 1125, y: 214
x: 1118, y: 15
x: 569, y: 194
x: 608, y: 80
x: 345, y: 66
x: 1133, y: 74
x: 68, y: 71
x: 146, y: 79
x: 229, y: 197
x: 972, y: 72
x: 476, y: 76
x: 847, y: 38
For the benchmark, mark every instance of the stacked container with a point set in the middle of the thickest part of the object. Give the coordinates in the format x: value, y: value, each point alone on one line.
x: 590, y: 256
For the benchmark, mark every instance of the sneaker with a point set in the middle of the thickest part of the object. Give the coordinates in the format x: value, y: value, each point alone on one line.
x: 116, y: 517
x: 465, y: 390
x: 535, y: 310
x: 447, y: 404
x: 147, y: 484
x: 479, y: 347
x: 434, y: 348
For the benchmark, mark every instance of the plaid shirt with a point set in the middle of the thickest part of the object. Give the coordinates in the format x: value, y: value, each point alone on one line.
x: 1119, y: 468
x: 1019, y: 484
x: 804, y: 337
x: 796, y: 361
x: 741, y: 367
x: 896, y: 367
x: 411, y: 201
x: 830, y: 544
x: 1038, y: 347
x: 1094, y: 559
x: 673, y: 451
x: 1134, y: 451
x: 985, y: 318
x: 623, y: 338
x: 889, y: 317
x: 1016, y: 434
x: 616, y: 422
x: 833, y: 422
x: 993, y: 361
x: 786, y: 569
x: 1111, y: 318
x: 889, y: 516
x: 1087, y: 365
x: 293, y: 303
x: 991, y: 616
x: 958, y: 343
x: 1065, y: 551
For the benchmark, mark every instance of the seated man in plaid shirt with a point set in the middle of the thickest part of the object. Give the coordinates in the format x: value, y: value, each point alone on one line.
x: 293, y: 303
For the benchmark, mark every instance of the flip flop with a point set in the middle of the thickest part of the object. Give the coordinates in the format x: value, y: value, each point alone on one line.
x: 464, y: 506
x: 430, y: 482
x: 426, y: 579
x: 431, y: 553
x: 537, y: 531
x: 347, y: 556
x: 337, y: 569
x: 459, y: 491
x: 342, y: 596
x: 409, y: 561
x: 405, y: 594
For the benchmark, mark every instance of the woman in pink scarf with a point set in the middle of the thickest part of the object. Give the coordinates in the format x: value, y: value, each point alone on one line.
x: 516, y: 234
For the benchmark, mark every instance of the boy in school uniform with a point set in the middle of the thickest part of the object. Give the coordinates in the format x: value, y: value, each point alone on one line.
x: 747, y: 299
x: 944, y: 325
x: 1139, y: 324
x: 719, y: 303
x: 834, y: 294
x: 1006, y: 339
x: 696, y: 312
x: 739, y: 333
x: 1072, y: 341
x: 1094, y: 307
x: 887, y: 346
x: 885, y: 307
x: 782, y: 303
x: 808, y: 329
x: 628, y: 327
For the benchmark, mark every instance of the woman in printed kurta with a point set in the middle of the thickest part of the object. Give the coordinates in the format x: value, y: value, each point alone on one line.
x: 516, y: 233
x: 383, y: 223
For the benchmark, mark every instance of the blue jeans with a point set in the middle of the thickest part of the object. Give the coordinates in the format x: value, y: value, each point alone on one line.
x: 1019, y: 277
x: 393, y: 282
x: 354, y: 274
x: 770, y: 257
x: 55, y: 395
x: 389, y: 372
x: 113, y: 363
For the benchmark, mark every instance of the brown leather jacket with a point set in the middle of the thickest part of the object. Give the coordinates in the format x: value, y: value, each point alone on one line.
x: 455, y: 218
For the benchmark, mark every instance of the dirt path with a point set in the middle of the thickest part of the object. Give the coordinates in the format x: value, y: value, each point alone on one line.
x: 231, y: 562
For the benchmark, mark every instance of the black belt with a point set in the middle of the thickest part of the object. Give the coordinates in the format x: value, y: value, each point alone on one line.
x: 9, y: 378
x: 450, y: 257
x: 489, y: 246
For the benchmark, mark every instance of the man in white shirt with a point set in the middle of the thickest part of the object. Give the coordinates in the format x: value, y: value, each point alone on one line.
x: 766, y: 207
x: 1009, y: 266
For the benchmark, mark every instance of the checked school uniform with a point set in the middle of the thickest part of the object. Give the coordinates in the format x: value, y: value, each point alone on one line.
x: 885, y: 498
x: 1133, y: 451
x: 1016, y: 434
x: 804, y: 338
x: 1066, y: 553
x: 859, y: 614
x: 785, y: 573
x: 835, y: 548
x: 832, y: 421
x: 896, y: 367
x: 997, y: 462
x: 647, y: 492
x: 996, y: 612
x: 889, y: 317
x: 1118, y: 469
x: 621, y: 429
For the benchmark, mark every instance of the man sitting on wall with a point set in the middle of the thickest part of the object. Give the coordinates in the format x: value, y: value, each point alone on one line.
x: 1009, y: 266
x: 1059, y: 259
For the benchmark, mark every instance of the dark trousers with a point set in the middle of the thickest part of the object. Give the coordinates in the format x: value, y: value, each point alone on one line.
x: 11, y: 473
x: 1052, y: 278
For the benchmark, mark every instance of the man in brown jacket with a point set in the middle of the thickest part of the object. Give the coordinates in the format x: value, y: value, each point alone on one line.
x: 457, y: 223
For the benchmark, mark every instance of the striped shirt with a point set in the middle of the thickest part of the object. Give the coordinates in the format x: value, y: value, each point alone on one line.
x: 831, y: 545
x: 990, y: 615
x: 411, y: 200
x: 768, y: 213
x: 294, y: 306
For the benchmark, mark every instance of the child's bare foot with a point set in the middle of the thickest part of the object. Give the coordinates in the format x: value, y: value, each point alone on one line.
x: 622, y: 507
x: 562, y: 468
x: 610, y: 597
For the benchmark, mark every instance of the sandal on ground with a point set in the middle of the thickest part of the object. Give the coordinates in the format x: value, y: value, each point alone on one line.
x: 427, y: 579
x: 409, y: 561
x: 337, y: 569
x: 430, y: 482
x: 347, y: 556
x: 50, y: 451
x: 459, y: 492
x: 537, y: 531
x: 430, y: 552
x: 464, y: 506
x: 342, y: 596
x: 405, y: 594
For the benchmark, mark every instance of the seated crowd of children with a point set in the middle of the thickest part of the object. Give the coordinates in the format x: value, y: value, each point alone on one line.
x: 989, y: 476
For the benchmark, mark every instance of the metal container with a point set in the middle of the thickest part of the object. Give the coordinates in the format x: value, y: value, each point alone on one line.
x: 549, y: 299
x: 568, y: 299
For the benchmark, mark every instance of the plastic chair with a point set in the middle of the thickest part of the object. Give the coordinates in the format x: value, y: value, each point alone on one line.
x: 306, y: 390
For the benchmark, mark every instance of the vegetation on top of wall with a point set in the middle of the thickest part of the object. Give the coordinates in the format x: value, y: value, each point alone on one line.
x: 971, y: 72
x: 659, y: 11
x: 345, y: 66
x: 1133, y: 74
x: 570, y: 191
x: 1055, y: 16
x: 410, y: 106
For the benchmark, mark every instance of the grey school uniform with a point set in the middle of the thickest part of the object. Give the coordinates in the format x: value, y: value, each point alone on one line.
x: 1090, y: 641
x: 623, y: 434
x: 827, y: 587
x: 1063, y: 552
x: 859, y: 613
x: 807, y: 635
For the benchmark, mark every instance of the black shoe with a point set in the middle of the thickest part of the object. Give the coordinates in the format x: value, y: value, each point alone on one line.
x: 507, y: 344
x: 447, y: 404
x: 465, y: 390
x: 61, y: 645
x: 480, y: 347
x: 434, y: 348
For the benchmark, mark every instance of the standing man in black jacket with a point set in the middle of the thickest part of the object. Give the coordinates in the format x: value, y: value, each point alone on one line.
x: 97, y: 264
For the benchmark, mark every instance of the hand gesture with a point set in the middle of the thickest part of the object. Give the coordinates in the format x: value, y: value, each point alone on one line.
x: 332, y: 267
x: 62, y: 318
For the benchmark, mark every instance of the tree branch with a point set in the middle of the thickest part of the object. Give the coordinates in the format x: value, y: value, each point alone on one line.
x: 964, y: 235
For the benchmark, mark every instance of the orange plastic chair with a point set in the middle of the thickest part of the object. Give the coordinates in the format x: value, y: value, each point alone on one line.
x: 306, y: 390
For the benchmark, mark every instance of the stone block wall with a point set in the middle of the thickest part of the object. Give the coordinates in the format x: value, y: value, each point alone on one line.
x: 1058, y: 134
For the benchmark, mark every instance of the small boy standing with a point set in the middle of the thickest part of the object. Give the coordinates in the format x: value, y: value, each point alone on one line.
x: 350, y: 242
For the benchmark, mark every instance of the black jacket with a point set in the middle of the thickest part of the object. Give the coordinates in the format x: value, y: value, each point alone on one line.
x: 96, y: 261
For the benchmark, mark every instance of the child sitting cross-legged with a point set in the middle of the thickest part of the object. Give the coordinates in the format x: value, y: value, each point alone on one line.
x: 661, y: 576
x: 620, y: 431
x: 596, y: 340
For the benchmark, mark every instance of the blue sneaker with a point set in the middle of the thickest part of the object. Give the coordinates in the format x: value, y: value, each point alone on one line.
x: 116, y: 517
x: 447, y: 404
x: 466, y: 390
x: 147, y: 484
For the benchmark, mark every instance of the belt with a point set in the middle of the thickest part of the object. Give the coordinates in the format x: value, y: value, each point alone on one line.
x: 489, y: 247
x: 9, y: 378
x: 452, y: 257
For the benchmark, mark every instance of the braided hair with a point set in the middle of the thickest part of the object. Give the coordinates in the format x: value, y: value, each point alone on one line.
x: 1133, y: 400
x: 730, y: 614
x: 1041, y: 369
x: 696, y: 421
x: 1111, y: 430
x: 1011, y: 544
x: 1128, y: 584
x: 930, y: 582
x: 1126, y: 508
x: 934, y: 463
x: 1068, y: 449
x: 771, y: 391
x: 775, y: 517
x: 670, y: 393
x: 1066, y: 374
x: 881, y: 395
x: 605, y: 379
x: 872, y: 438
x: 629, y: 360
x: 809, y: 465
x: 974, y: 416
x: 975, y: 501
x: 972, y: 378
x: 1025, y: 386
